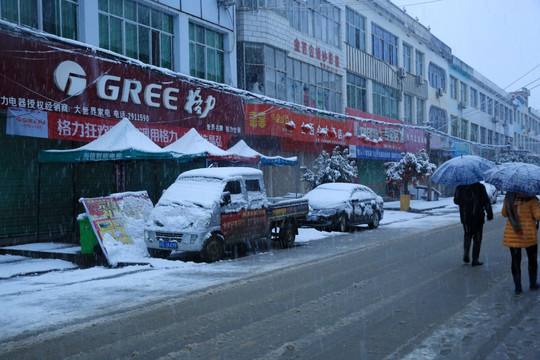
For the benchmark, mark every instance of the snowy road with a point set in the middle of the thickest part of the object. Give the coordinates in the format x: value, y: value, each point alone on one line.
x: 396, y: 292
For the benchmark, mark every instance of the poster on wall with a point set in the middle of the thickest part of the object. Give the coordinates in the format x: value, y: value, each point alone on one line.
x: 118, y: 223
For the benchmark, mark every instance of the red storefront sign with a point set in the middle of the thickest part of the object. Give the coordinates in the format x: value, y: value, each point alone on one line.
x: 376, y: 134
x: 86, y: 129
x: 274, y: 121
x: 41, y: 75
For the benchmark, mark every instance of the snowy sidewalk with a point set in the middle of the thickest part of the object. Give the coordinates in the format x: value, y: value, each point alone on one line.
x: 421, y: 205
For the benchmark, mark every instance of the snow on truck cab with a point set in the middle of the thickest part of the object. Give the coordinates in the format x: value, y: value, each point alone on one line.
x: 209, y: 210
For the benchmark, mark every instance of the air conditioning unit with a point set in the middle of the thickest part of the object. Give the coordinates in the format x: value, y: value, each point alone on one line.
x: 401, y: 73
x: 419, y: 80
x: 462, y: 105
x: 439, y: 92
x: 226, y: 3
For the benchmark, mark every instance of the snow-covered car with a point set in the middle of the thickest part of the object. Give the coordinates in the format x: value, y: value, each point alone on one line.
x: 491, y: 191
x: 341, y: 206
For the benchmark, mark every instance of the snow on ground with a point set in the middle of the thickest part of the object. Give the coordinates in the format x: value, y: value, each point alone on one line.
x: 59, y: 293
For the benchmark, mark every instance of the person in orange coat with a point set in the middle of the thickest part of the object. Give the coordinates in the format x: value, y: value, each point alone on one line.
x: 521, y: 232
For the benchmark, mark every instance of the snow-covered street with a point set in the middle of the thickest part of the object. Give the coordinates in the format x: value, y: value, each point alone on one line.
x: 45, y: 292
x: 58, y: 297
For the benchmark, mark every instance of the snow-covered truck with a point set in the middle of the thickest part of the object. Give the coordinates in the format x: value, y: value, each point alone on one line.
x: 210, y: 210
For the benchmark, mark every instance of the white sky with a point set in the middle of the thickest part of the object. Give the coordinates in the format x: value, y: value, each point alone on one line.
x: 498, y: 38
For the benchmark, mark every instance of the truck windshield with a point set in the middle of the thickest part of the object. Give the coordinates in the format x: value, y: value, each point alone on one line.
x: 200, y: 191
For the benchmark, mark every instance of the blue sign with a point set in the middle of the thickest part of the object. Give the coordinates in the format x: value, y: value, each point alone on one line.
x: 363, y: 152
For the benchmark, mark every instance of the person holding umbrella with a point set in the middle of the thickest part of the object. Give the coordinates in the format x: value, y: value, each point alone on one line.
x: 466, y: 171
x: 521, y: 181
x: 520, y: 232
x: 474, y: 204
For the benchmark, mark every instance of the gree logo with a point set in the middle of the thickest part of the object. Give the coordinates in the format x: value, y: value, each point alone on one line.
x: 70, y: 78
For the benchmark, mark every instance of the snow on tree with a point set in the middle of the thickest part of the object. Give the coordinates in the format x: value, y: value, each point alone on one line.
x: 338, y: 167
x: 515, y: 157
x: 410, y: 169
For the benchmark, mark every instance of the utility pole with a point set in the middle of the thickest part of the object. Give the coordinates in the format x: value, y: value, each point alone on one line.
x: 428, y: 148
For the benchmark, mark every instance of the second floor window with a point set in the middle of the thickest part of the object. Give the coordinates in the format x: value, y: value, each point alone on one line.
x: 419, y: 63
x: 438, y: 119
x: 58, y: 17
x: 474, y: 97
x: 319, y: 19
x: 463, y: 92
x: 355, y: 33
x: 206, y: 53
x: 437, y: 77
x: 420, y: 104
x: 407, y: 57
x: 385, y: 101
x: 407, y: 108
x: 356, y: 92
x: 453, y: 87
x: 383, y: 45
x: 464, y: 129
x: 137, y: 31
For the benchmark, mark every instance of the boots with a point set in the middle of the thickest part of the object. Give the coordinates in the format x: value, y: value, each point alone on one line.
x: 517, y: 283
x: 532, y: 280
x: 476, y: 254
x: 466, y: 256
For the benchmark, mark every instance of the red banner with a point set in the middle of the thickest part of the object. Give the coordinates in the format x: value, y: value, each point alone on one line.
x: 52, y: 77
x: 275, y: 121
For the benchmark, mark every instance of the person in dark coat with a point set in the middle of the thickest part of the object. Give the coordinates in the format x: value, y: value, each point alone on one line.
x: 474, y: 205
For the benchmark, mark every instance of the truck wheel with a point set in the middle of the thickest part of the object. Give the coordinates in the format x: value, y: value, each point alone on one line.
x: 213, y: 248
x: 375, y: 220
x: 158, y: 253
x: 286, y: 236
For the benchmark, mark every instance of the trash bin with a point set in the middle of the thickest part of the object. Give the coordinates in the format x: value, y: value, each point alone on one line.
x: 88, y: 238
x: 405, y: 202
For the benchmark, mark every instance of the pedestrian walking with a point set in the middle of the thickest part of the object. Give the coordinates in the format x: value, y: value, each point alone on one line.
x: 521, y: 231
x: 474, y: 205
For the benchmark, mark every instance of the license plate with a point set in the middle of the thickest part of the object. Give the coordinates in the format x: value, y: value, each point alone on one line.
x: 168, y: 244
x: 312, y: 218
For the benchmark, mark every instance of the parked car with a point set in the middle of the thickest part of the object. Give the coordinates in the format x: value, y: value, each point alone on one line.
x: 341, y: 206
x: 491, y: 191
x: 209, y: 210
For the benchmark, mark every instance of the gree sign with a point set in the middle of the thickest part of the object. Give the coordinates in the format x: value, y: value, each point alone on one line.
x: 70, y: 78
x: 73, y: 82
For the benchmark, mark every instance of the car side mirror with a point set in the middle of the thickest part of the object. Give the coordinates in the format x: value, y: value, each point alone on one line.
x: 225, y: 198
